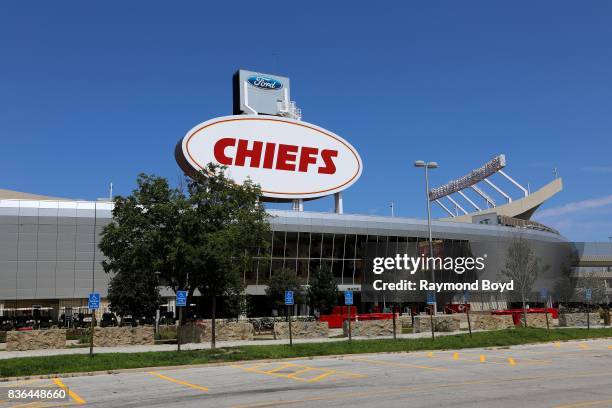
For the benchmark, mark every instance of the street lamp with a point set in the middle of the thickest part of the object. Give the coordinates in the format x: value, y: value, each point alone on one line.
x: 427, y: 166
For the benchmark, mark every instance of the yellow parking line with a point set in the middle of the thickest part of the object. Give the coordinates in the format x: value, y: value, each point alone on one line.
x: 279, y: 368
x: 511, y: 361
x: 429, y: 354
x: 610, y: 347
x: 303, y: 370
x: 71, y: 393
x: 583, y: 346
x: 587, y: 404
x: 186, y: 384
x: 483, y: 358
x: 389, y: 363
x: 557, y: 344
x: 455, y: 356
x: 322, y: 376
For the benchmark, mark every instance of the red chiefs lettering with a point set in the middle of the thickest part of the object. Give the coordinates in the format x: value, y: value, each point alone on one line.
x: 262, y: 155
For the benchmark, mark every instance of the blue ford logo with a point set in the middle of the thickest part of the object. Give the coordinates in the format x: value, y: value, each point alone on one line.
x: 263, y: 82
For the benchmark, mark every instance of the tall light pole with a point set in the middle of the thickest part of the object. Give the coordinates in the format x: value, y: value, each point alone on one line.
x: 427, y: 166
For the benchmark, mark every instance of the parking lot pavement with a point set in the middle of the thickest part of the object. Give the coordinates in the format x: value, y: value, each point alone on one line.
x: 562, y: 375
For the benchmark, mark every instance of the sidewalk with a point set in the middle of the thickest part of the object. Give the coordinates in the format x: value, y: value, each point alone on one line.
x: 202, y: 346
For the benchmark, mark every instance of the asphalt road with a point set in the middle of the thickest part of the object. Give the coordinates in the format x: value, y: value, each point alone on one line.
x: 575, y: 374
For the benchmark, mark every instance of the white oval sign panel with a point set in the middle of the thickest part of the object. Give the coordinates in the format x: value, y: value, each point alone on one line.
x: 289, y: 159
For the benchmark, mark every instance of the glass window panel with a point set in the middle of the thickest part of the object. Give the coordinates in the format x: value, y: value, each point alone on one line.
x: 336, y: 267
x: 278, y: 244
x: 360, y: 269
x: 362, y: 241
x: 263, y: 271
x: 303, y: 245
x: 328, y: 246
x: 339, y: 240
x: 349, y: 246
x: 315, y: 245
x: 291, y: 245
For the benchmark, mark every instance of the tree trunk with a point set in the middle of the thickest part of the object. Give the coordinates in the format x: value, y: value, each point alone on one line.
x: 524, y: 311
x: 213, y: 323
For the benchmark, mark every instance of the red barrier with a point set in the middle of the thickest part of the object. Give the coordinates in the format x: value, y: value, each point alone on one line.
x: 516, y: 313
x: 335, y: 321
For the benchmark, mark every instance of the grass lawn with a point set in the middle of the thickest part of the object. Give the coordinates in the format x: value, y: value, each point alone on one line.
x: 102, y: 362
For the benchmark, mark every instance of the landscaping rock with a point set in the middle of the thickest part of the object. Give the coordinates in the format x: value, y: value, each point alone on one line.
x: 372, y: 328
x: 301, y: 330
x: 123, y: 336
x: 577, y: 319
x: 492, y: 322
x: 224, y: 331
x: 35, y: 340
x: 405, y: 321
x: 442, y: 323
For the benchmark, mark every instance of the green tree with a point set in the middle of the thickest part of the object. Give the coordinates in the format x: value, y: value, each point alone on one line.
x: 283, y: 279
x: 523, y: 267
x: 134, y: 293
x: 131, y: 244
x: 323, y: 290
x: 227, y: 224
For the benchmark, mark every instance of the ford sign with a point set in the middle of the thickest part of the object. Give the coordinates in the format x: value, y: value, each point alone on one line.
x: 263, y: 82
x: 289, y: 159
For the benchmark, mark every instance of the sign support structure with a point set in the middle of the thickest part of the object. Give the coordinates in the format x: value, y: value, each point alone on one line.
x: 588, y: 294
x: 289, y: 301
x: 93, y: 305
x: 394, y: 323
x: 181, y: 301
x: 544, y: 295
x: 348, y: 301
x: 431, y: 301
x: 466, y: 299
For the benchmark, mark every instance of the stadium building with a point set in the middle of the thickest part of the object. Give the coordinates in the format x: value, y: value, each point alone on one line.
x: 49, y: 257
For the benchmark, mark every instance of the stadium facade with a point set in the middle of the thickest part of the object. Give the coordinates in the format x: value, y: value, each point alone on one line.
x: 49, y: 255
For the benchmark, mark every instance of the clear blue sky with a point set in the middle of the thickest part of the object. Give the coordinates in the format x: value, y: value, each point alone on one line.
x: 93, y: 92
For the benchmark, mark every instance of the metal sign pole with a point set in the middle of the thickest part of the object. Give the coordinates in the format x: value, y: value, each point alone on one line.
x: 178, y: 330
x: 93, y: 304
x: 588, y: 315
x: 289, y: 321
x: 349, y: 324
x: 431, y: 312
x: 588, y: 295
x: 91, y: 336
x: 467, y: 312
x: 289, y: 301
x: 394, y: 325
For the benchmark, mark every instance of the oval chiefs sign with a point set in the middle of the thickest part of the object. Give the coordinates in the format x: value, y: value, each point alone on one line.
x: 289, y: 159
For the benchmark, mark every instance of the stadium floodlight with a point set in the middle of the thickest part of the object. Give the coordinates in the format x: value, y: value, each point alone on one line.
x: 430, y: 165
x: 475, y: 176
x: 427, y: 166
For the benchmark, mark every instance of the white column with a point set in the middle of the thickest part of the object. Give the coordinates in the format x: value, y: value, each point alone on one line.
x: 338, y: 203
